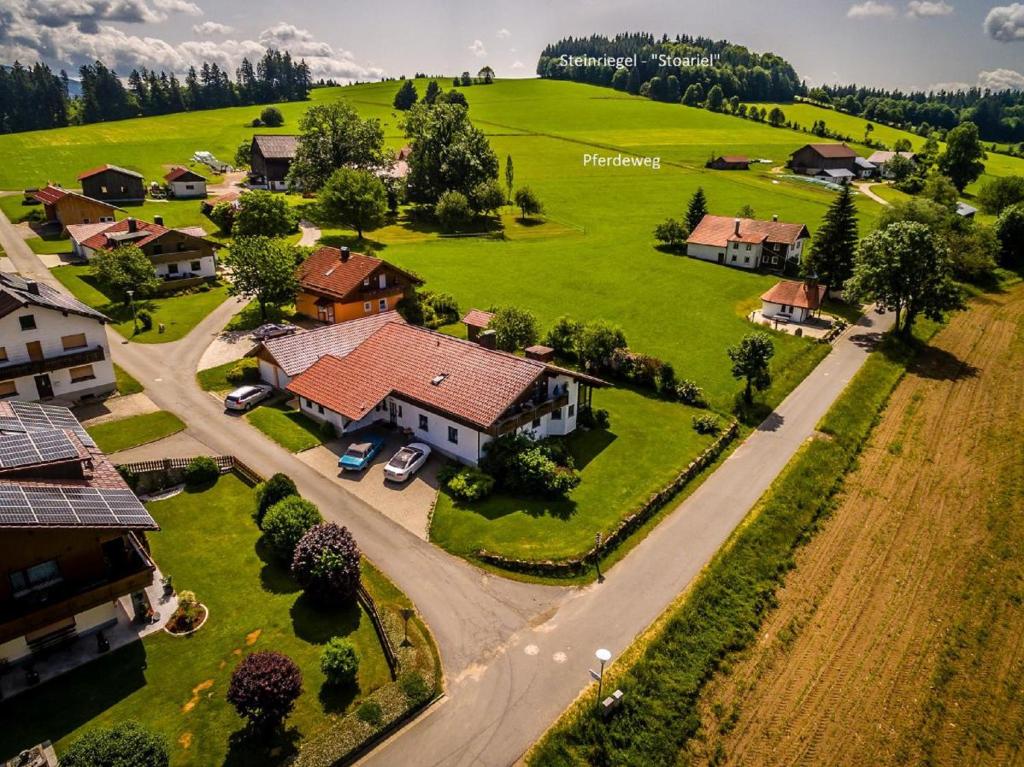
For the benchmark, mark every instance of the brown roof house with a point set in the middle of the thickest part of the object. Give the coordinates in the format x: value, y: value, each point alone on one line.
x: 67, y: 208
x: 71, y: 551
x: 792, y: 301
x: 185, y: 184
x: 336, y: 285
x: 747, y: 243
x: 812, y: 159
x: 113, y: 183
x: 476, y: 321
x: 452, y: 394
x: 272, y: 157
x: 729, y: 162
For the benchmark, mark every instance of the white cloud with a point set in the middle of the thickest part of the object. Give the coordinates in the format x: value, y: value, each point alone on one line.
x: 477, y: 48
x: 1001, y: 80
x: 1005, y: 23
x: 927, y: 8
x: 870, y: 9
x: 517, y: 64
x: 951, y: 86
x: 212, y: 29
x: 178, y: 6
x: 503, y: 34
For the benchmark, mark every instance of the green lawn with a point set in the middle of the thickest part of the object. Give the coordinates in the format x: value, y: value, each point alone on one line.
x: 179, y: 314
x: 126, y: 384
x: 286, y: 426
x: 176, y: 686
x: 113, y: 436
x: 249, y: 318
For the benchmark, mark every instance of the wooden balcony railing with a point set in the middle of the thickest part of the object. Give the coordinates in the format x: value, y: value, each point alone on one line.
x: 49, y: 364
x: 526, y: 414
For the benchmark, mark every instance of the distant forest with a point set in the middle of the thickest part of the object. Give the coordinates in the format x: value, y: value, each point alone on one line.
x: 743, y: 75
x: 33, y: 98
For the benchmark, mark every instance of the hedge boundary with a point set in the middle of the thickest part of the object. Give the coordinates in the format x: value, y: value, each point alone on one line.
x: 567, y: 568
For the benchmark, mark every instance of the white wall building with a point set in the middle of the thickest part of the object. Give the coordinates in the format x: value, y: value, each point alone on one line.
x: 792, y: 301
x: 747, y: 243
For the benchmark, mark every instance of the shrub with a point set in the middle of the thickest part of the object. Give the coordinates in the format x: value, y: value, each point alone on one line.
x: 689, y: 393
x: 443, y: 306
x: 326, y: 564
x: 145, y: 319
x: 272, y: 117
x: 589, y: 418
x: 370, y: 712
x: 514, y: 328
x: 706, y: 424
x: 286, y: 522
x: 264, y: 688
x: 564, y: 336
x: 126, y: 744
x: 453, y: 211
x: 246, y: 370
x: 275, y: 489
x: 415, y: 688
x: 339, y: 662
x: 469, y: 484
x: 201, y: 470
x: 665, y: 380
x: 223, y: 215
x: 520, y: 465
x: 597, y: 342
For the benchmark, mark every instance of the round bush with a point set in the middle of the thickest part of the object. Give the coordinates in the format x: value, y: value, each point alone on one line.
x: 453, y: 211
x: 126, y: 744
x: 370, y: 712
x: 339, y: 662
x: 264, y: 688
x: 415, y: 688
x: 201, y: 470
x: 469, y: 484
x: 275, y: 489
x: 271, y: 117
x: 286, y: 522
x: 326, y: 564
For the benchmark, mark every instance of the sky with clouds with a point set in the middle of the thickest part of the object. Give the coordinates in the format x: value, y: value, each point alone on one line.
x: 893, y: 43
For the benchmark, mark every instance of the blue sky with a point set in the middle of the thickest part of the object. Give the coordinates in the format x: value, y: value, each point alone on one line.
x: 905, y: 43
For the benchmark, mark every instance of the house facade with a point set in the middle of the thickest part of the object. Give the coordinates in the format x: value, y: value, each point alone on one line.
x: 70, y: 534
x: 747, y: 243
x: 454, y: 395
x: 67, y: 208
x: 185, y: 184
x: 113, y: 183
x: 792, y: 301
x: 180, y: 256
x: 811, y: 159
x: 52, y: 346
x: 882, y: 159
x: 272, y: 157
x: 336, y: 285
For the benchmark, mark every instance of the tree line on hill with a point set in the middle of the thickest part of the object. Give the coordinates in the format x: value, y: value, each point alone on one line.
x: 35, y: 98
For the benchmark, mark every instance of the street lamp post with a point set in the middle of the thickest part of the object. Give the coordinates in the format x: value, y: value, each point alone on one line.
x: 603, y: 656
x: 597, y: 556
x: 135, y: 319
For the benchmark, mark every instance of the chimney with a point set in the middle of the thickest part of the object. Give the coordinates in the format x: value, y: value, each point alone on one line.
x: 32, y: 287
x: 344, y: 254
x: 737, y: 231
x: 775, y: 217
x: 487, y: 339
x: 131, y: 224
x: 158, y: 220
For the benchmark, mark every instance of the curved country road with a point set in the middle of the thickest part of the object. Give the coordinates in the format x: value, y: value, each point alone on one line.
x: 515, y: 655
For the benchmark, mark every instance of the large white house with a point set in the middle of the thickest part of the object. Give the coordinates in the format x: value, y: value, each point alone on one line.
x: 52, y: 346
x: 454, y: 395
x: 747, y: 243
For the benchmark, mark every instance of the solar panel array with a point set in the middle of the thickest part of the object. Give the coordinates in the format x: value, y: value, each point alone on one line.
x: 30, y: 448
x: 32, y: 417
x: 61, y: 506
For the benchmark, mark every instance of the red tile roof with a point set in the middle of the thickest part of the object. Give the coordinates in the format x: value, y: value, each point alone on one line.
x: 178, y: 172
x: 719, y: 231
x: 800, y: 294
x: 833, y: 150
x: 101, y: 168
x: 325, y: 272
x: 477, y: 318
x: 50, y: 194
x: 151, y: 232
x: 474, y: 385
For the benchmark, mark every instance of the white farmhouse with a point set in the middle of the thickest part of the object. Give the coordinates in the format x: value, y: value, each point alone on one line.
x: 746, y: 242
x: 791, y: 301
x: 185, y: 184
x: 52, y: 346
x: 452, y: 394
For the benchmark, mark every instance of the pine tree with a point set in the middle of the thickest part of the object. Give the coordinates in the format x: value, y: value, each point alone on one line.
x: 696, y: 210
x: 835, y: 245
x: 509, y: 176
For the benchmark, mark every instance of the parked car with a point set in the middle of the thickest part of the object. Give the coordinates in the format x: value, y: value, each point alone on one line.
x: 359, y: 454
x: 246, y: 397
x: 406, y: 462
x: 272, y: 330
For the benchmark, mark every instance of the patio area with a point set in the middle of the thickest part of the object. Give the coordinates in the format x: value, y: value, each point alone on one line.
x: 815, y: 327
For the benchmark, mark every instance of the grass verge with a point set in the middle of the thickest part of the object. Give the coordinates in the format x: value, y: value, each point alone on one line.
x: 126, y: 383
x: 135, y: 430
x: 286, y: 426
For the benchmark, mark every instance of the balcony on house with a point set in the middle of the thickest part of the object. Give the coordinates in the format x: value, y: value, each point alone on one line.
x: 529, y: 410
x: 54, y: 362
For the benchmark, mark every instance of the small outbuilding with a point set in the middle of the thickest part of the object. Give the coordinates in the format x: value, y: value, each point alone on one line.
x: 792, y: 301
x: 729, y: 162
x: 476, y: 321
x: 112, y: 182
x: 185, y: 184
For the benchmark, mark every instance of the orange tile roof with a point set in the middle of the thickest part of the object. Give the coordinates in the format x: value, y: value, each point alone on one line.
x: 325, y: 272
x: 477, y: 318
x: 800, y: 294
x: 477, y: 387
x: 719, y: 231
x: 50, y: 194
x: 101, y: 240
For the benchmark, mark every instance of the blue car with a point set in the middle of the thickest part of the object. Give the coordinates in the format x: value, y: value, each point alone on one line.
x: 360, y: 454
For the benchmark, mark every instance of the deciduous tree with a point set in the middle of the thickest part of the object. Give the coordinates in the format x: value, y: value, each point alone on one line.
x: 962, y: 160
x: 262, y: 269
x: 264, y: 688
x: 125, y: 268
x: 332, y: 136
x: 355, y: 198
x: 514, y: 328
x: 750, y: 358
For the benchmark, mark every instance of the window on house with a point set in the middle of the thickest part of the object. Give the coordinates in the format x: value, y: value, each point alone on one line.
x: 734, y: 258
x: 103, y: 190
x: 35, y: 578
x: 746, y: 259
x: 103, y: 219
x: 195, y: 266
x: 735, y: 246
x: 382, y: 305
x: 399, y: 411
x: 572, y: 410
x: 190, y: 187
x: 172, y: 268
x: 366, y: 282
x: 382, y: 281
x: 81, y: 373
x: 320, y: 409
x: 3, y: 354
x: 748, y: 247
x: 536, y: 423
x: 309, y: 402
x: 8, y: 389
x: 453, y: 435
x: 181, y: 246
x: 76, y: 341
x: 27, y: 322
x: 367, y: 307
x: 556, y: 415
x: 424, y: 423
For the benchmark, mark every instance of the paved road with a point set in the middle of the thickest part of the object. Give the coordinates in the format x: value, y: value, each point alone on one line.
x: 515, y: 654
x: 865, y: 189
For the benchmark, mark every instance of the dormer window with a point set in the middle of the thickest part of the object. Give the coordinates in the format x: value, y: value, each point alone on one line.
x: 438, y: 379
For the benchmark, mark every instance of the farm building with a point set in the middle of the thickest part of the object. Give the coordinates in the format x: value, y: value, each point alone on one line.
x: 836, y: 175
x: 66, y: 208
x: 476, y: 321
x: 746, y: 242
x: 729, y: 162
x: 113, y: 183
x: 337, y: 285
x: 272, y: 157
x: 454, y: 395
x: 792, y: 301
x: 811, y: 159
x: 281, y: 359
x: 185, y: 184
x: 881, y: 159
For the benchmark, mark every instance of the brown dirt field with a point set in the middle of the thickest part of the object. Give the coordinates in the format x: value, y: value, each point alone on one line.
x: 898, y: 638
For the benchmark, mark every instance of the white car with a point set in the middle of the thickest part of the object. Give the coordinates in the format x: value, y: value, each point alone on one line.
x: 406, y: 462
x: 246, y: 397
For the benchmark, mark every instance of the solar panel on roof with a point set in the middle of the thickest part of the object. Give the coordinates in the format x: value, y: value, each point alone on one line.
x: 33, y: 417
x: 29, y: 505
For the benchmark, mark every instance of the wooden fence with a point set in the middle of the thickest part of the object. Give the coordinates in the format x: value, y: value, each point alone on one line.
x: 226, y: 464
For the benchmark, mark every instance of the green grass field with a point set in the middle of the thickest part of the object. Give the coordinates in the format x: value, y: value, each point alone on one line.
x: 286, y: 426
x: 126, y: 383
x: 135, y: 430
x: 176, y: 686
